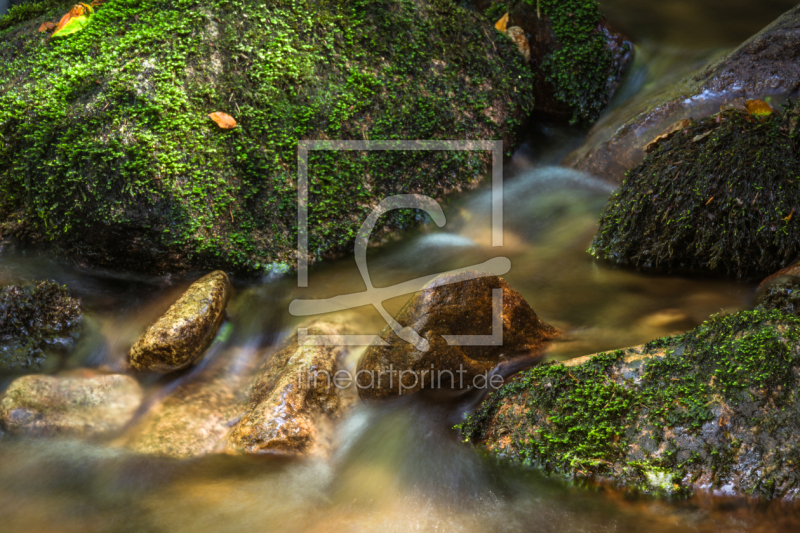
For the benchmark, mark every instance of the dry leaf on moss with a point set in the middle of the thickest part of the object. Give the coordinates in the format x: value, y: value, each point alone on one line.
x: 46, y: 26
x: 501, y: 24
x: 223, y: 120
x: 758, y: 108
x: 667, y: 133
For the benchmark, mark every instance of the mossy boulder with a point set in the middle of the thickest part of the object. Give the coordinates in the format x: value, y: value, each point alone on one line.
x: 39, y: 322
x: 715, y: 409
x: 719, y: 196
x: 181, y: 335
x: 768, y: 64
x: 107, y: 151
x: 576, y: 58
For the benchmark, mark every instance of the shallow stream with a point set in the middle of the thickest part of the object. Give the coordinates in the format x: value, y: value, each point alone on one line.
x: 399, y: 466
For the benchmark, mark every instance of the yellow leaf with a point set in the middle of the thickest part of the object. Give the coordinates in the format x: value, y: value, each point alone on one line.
x: 223, y: 120
x: 758, y: 108
x: 501, y: 24
x: 667, y: 133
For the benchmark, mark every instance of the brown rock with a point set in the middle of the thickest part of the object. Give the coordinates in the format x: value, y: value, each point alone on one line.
x: 766, y: 64
x: 792, y: 271
x: 76, y: 405
x: 293, y: 400
x: 517, y: 34
x: 181, y: 335
x: 450, y: 305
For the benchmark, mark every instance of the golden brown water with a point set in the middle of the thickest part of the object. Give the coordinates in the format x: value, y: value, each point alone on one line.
x: 399, y: 467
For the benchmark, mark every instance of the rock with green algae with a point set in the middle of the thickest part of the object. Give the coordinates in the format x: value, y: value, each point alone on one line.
x: 720, y: 196
x: 39, y: 322
x: 767, y: 64
x: 108, y: 154
x: 715, y: 409
x: 576, y: 58
x: 181, y: 335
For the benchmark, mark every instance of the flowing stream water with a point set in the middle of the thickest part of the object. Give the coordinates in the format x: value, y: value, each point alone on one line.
x: 399, y: 466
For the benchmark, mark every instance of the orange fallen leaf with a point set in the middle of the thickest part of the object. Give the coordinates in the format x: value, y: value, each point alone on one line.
x: 758, y: 108
x: 223, y: 120
x: 501, y: 24
x: 667, y: 133
x: 787, y: 219
x: 76, y: 11
x: 709, y: 200
x: 46, y: 26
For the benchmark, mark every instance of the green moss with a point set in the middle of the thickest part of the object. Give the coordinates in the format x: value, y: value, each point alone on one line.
x: 24, y: 12
x: 106, y: 148
x: 579, y: 69
x: 35, y: 319
x: 719, y: 197
x: 619, y: 420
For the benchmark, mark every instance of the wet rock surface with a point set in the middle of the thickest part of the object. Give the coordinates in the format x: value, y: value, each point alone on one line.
x: 452, y: 304
x: 767, y: 64
x: 81, y: 404
x: 294, y: 399
x: 714, y: 409
x: 181, y: 335
x: 38, y: 321
x: 715, y: 196
x: 240, y: 403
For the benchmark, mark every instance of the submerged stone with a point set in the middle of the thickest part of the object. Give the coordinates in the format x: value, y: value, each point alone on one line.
x: 85, y: 404
x: 719, y: 196
x: 38, y: 322
x: 456, y: 305
x: 181, y: 335
x: 715, y: 409
x: 240, y: 403
x: 768, y: 64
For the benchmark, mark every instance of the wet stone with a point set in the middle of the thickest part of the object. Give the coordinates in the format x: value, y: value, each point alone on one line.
x: 39, y: 322
x: 181, y: 335
x: 451, y: 305
x: 81, y: 404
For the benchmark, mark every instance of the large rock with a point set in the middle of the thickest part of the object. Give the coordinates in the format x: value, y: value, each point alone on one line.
x: 240, y: 403
x: 450, y: 305
x: 715, y: 197
x: 576, y: 58
x: 767, y: 64
x: 84, y: 404
x: 715, y: 409
x: 182, y: 334
x: 118, y: 164
x: 39, y: 322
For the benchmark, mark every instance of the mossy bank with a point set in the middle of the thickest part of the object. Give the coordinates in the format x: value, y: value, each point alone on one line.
x: 107, y: 151
x: 577, y: 60
x: 715, y: 409
x: 721, y: 196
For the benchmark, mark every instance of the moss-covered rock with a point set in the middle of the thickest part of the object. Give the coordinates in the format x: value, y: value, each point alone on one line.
x: 38, y: 322
x: 767, y: 64
x: 719, y: 196
x: 577, y: 60
x: 713, y: 409
x: 107, y: 151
